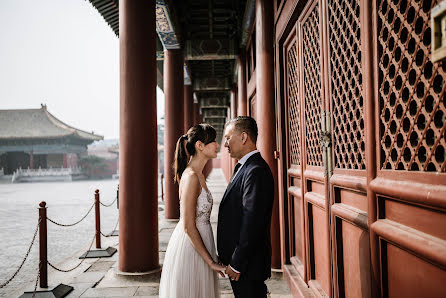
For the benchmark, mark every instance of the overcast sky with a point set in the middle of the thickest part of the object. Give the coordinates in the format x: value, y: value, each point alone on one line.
x: 61, y: 53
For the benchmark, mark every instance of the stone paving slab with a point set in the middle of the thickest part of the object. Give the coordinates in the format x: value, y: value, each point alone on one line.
x: 110, y: 292
x: 79, y: 289
x: 147, y: 291
x: 90, y: 277
x: 101, y: 266
x: 112, y: 279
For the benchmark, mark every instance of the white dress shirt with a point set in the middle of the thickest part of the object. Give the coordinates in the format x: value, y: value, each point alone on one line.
x: 243, y: 160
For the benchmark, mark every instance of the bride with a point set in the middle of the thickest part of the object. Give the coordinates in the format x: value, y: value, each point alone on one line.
x: 190, y: 265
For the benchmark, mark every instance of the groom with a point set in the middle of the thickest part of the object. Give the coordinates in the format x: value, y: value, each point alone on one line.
x: 244, y: 217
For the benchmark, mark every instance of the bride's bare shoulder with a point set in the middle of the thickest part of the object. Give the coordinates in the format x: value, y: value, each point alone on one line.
x: 190, y: 181
x: 189, y: 175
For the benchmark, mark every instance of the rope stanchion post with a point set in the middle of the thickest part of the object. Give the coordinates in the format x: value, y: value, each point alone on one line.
x: 162, y: 189
x: 117, y: 198
x: 98, y: 252
x: 43, y: 251
x: 42, y: 275
x: 97, y: 210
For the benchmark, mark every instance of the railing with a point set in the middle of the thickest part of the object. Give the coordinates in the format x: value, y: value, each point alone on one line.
x: 42, y: 274
x: 26, y: 174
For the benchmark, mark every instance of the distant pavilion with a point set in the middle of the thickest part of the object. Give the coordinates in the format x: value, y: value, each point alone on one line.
x: 34, y: 138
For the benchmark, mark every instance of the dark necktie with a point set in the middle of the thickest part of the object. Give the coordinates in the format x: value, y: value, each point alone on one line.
x: 237, y: 166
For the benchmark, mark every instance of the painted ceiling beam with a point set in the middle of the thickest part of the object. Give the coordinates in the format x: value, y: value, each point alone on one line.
x: 207, y: 49
x: 210, y: 49
x: 165, y: 26
x: 214, y: 84
x: 214, y: 107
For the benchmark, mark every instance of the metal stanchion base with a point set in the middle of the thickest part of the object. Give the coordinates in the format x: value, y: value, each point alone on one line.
x: 57, y: 292
x: 99, y: 253
x: 114, y: 233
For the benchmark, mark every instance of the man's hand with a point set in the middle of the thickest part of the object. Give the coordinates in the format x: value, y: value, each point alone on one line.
x: 232, y: 274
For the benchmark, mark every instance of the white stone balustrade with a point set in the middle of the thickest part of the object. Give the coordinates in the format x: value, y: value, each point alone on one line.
x: 50, y: 174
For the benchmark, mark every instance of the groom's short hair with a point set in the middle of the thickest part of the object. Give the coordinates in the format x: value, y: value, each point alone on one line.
x: 246, y: 124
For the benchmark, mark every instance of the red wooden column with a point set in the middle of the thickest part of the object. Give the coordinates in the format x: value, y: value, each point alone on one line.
x: 233, y: 102
x: 188, y: 107
x: 199, y: 116
x: 138, y: 187
x: 65, y: 160
x: 196, y: 114
x: 266, y: 107
x: 233, y: 110
x: 174, y: 125
x: 31, y: 160
x: 242, y: 101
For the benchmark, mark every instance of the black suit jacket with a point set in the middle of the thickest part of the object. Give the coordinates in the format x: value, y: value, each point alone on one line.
x: 244, y: 220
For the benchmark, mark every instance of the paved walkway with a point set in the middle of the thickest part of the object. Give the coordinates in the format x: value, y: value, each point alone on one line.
x: 98, y: 278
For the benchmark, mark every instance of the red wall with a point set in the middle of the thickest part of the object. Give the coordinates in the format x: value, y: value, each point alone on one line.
x: 71, y: 160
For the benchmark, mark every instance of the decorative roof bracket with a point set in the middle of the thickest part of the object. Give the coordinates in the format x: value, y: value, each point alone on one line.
x: 165, y: 27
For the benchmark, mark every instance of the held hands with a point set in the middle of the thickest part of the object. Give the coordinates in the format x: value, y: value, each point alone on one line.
x: 221, y: 269
x: 232, y: 274
x: 218, y: 267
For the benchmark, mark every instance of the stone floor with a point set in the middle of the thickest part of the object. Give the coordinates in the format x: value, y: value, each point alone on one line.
x: 98, y: 277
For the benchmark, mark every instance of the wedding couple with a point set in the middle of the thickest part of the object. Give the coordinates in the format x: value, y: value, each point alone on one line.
x: 191, y: 263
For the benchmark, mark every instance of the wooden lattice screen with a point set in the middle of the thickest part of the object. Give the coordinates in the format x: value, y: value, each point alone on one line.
x: 346, y: 84
x: 411, y: 89
x: 312, y: 87
x: 293, y: 105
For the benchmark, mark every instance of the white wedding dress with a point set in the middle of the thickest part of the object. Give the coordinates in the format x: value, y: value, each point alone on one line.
x: 185, y: 274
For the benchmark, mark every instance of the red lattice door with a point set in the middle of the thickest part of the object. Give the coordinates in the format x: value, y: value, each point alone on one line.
x: 364, y: 111
x: 348, y: 177
x: 410, y: 183
x: 308, y: 217
x: 326, y: 176
x: 314, y: 176
x: 293, y: 119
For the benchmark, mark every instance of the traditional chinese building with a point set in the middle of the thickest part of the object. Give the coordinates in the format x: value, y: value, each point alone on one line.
x: 34, y: 138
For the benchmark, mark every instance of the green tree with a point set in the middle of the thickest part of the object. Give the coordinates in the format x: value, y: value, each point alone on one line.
x: 93, y: 166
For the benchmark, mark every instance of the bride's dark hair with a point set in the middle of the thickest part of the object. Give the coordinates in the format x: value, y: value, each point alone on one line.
x: 204, y: 133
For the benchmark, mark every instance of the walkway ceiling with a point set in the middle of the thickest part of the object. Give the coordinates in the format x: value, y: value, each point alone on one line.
x: 210, y: 32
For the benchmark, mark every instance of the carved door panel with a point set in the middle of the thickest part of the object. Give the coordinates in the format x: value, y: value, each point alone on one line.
x: 307, y: 193
x: 348, y: 177
x: 294, y: 196
x: 365, y: 149
x: 315, y: 188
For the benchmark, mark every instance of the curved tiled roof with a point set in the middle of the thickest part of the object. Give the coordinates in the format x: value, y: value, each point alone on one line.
x: 109, y: 9
x: 38, y: 124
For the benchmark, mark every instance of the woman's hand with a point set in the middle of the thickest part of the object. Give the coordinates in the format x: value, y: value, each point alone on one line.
x: 219, y: 268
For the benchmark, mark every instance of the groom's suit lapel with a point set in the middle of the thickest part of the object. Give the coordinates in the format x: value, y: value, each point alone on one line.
x: 238, y: 177
x: 231, y: 184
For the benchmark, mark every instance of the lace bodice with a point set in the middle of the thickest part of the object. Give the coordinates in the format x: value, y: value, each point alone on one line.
x: 204, y: 208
